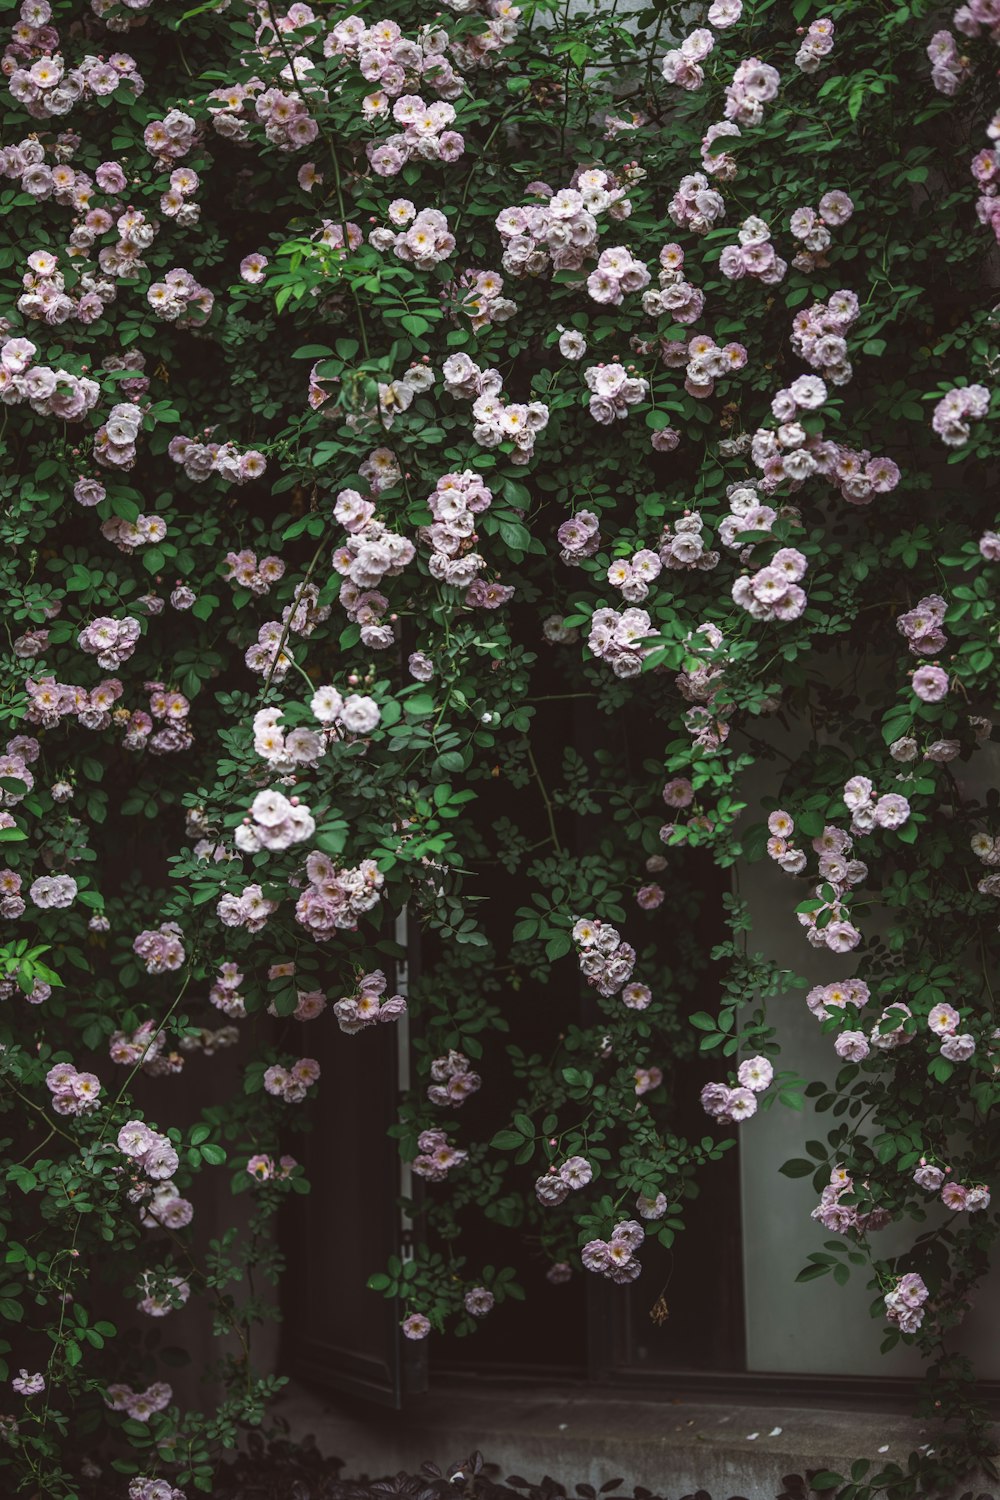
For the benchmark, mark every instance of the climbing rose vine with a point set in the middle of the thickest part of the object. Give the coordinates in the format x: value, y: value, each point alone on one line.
x: 515, y: 451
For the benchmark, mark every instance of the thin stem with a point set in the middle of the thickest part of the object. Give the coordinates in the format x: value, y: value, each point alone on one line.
x: 291, y: 613
x: 549, y: 812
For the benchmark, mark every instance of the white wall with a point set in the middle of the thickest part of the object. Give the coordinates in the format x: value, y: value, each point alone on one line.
x: 817, y: 1327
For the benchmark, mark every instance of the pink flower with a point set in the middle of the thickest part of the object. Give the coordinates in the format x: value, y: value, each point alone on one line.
x: 954, y: 1195
x: 852, y: 1046
x: 478, y: 1301
x: 930, y: 684
x: 252, y: 268
x: 943, y: 1019
x: 754, y: 1073
x: 647, y: 1079
x: 958, y: 1048
x: 636, y: 996
x: 678, y: 792
x: 576, y: 1171
x: 416, y: 1326
x: 891, y: 811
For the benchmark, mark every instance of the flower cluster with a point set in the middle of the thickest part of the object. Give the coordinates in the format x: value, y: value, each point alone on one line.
x: 143, y: 531
x: 944, y: 1021
x: 618, y: 639
x: 456, y: 501
x: 143, y: 1046
x: 138, y: 1405
x: 633, y: 575
x: 614, y: 1258
x: 286, y: 118
x: 613, y: 389
x: 243, y: 570
x: 479, y: 298
x: 579, y: 537
x: 605, y: 961
x: 949, y: 68
x: 201, y: 460
x: 143, y: 1487
x: 365, y: 1005
x: 285, y: 751
x: 169, y: 139
x: 843, y: 1218
x: 263, y: 1168
x: 425, y: 134
x: 773, y: 592
x: 921, y: 626
x: 558, y: 1182
x: 497, y: 420
x: 437, y: 1156
x: 682, y: 545
x: 291, y: 1084
x: 753, y: 85
x: 754, y: 255
x: 676, y: 298
x: 389, y: 60
x: 152, y: 1152
x: 696, y: 205
x: 616, y: 273
x: 905, y: 1304
x: 53, y: 891
x: 452, y: 1080
x: 72, y: 1093
x: 707, y: 362
x: 336, y: 897
x: 681, y: 65
x: 955, y: 1196
x: 371, y: 552
x: 730, y: 1104
x: 953, y: 413
x: 51, y: 393
x: 180, y: 299
x: 811, y: 227
x: 274, y: 822
x: 166, y: 1208
x: 249, y: 910
x: 424, y: 240
x: 869, y: 810
x: 111, y: 641
x: 47, y: 88
x: 562, y: 232
x: 161, y: 949
x: 114, y: 442
x: 816, y: 46
x: 819, y: 335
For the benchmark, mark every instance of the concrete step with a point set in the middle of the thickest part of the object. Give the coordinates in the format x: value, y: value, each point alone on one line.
x: 582, y: 1434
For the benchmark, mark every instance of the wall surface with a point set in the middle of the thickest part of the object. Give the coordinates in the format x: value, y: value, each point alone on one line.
x: 585, y: 1435
x: 818, y: 1327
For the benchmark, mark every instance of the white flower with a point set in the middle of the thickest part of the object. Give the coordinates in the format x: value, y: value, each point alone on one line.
x: 360, y: 715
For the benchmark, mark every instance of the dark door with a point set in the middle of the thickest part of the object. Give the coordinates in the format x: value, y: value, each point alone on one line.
x: 337, y: 1333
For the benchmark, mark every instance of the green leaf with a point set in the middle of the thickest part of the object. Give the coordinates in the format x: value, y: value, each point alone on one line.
x: 507, y: 1140
x: 797, y: 1167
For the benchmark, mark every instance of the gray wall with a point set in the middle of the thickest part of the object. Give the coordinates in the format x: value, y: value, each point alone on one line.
x: 818, y: 1327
